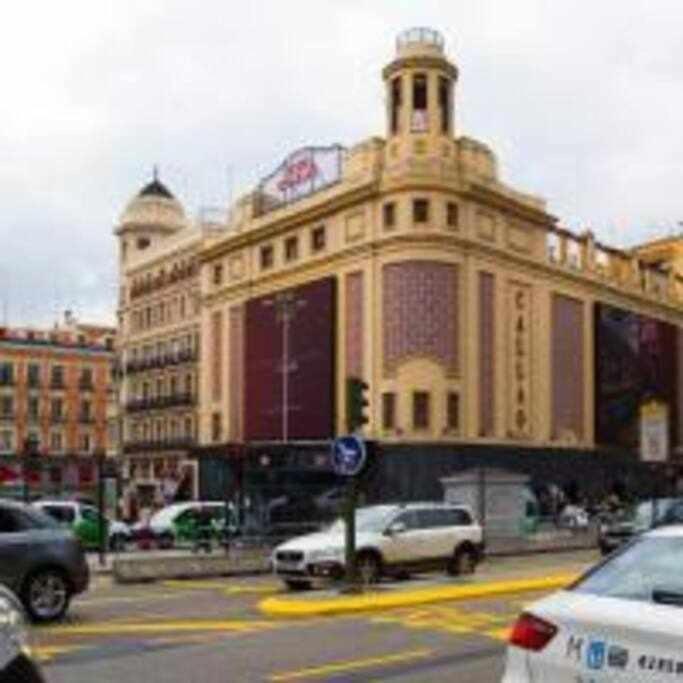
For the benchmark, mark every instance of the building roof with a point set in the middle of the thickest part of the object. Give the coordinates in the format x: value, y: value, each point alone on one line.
x: 156, y: 189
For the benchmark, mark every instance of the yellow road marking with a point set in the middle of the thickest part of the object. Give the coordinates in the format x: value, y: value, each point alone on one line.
x: 162, y: 627
x: 352, y: 665
x: 265, y: 590
x: 48, y: 652
x: 224, y: 586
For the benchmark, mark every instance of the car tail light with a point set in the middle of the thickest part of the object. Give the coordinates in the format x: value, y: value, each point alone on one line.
x: 532, y: 633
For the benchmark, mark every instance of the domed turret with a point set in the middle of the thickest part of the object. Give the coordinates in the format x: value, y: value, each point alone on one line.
x: 151, y: 215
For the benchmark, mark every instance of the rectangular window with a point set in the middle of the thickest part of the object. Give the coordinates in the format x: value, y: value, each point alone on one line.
x: 86, y: 411
x: 216, y: 427
x: 445, y: 104
x: 453, y: 411
x: 421, y: 410
x: 452, y: 215
x: 6, y: 374
x: 33, y: 375
x: 318, y: 238
x: 85, y: 443
x: 86, y: 378
x: 7, y: 406
x: 420, y: 210
x: 266, y: 257
x: 218, y: 274
x: 389, y: 215
x: 33, y: 408
x: 56, y: 443
x: 57, y: 377
x: 291, y: 249
x: 395, y: 105
x: 6, y: 440
x: 389, y: 410
x: 419, y: 92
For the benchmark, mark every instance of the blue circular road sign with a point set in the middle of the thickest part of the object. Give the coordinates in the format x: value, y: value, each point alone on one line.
x: 348, y: 455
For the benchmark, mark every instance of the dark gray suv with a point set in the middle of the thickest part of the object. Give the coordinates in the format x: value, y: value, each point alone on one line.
x: 42, y: 563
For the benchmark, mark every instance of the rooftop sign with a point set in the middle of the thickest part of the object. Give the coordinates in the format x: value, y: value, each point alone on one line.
x: 301, y: 174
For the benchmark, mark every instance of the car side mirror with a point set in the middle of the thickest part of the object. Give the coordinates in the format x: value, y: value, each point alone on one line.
x: 395, y: 528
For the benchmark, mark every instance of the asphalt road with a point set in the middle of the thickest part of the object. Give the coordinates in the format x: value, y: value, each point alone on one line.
x: 212, y: 631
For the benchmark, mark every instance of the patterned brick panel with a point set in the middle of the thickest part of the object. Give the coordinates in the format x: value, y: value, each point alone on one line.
x: 354, y: 324
x: 567, y: 367
x: 216, y: 355
x: 486, y: 354
x: 420, y: 313
x: 236, y: 371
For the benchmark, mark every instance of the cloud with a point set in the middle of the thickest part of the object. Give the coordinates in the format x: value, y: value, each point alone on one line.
x: 581, y: 107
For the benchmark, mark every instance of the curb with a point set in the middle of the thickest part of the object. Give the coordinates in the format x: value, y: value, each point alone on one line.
x: 290, y: 608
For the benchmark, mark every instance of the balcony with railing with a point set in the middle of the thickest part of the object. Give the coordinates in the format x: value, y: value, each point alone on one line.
x: 160, y: 402
x: 163, y: 361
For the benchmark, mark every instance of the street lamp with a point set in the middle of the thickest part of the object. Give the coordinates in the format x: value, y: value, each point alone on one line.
x: 286, y: 305
x: 30, y: 460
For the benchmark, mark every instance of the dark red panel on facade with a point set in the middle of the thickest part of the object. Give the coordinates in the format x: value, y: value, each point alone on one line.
x: 310, y: 404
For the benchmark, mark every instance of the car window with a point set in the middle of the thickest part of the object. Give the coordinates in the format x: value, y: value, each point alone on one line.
x: 409, y: 518
x: 60, y: 513
x: 429, y: 519
x: 90, y: 515
x: 674, y: 515
x: 14, y: 520
x: 648, y: 565
x: 458, y: 517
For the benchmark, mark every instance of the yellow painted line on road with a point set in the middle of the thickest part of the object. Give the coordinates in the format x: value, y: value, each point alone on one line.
x: 286, y: 607
x: 224, y: 586
x: 194, y: 584
x: 47, y: 653
x: 351, y: 665
x: 258, y: 590
x: 127, y: 598
x: 128, y: 628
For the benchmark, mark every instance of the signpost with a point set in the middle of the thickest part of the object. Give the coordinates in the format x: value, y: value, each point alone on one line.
x: 349, y: 456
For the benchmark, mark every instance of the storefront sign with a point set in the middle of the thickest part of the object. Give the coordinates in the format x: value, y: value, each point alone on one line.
x: 302, y: 173
x: 654, y: 432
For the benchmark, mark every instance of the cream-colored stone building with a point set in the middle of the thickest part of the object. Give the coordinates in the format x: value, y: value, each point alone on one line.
x: 486, y: 332
x: 159, y: 332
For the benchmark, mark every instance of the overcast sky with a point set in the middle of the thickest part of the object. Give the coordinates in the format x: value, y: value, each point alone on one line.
x: 582, y: 103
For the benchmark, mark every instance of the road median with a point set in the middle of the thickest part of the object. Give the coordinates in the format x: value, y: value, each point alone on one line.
x: 378, y: 600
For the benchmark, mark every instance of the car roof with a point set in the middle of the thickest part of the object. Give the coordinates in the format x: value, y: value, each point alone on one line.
x: 429, y: 505
x: 11, y: 503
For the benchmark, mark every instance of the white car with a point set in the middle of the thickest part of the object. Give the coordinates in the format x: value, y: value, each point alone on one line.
x: 621, y: 622
x: 389, y: 539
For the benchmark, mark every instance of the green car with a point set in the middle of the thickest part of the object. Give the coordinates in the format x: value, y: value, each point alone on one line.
x: 179, y: 524
x: 84, y: 521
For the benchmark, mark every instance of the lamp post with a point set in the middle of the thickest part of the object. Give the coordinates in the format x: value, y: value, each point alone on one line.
x: 286, y: 305
x: 30, y: 460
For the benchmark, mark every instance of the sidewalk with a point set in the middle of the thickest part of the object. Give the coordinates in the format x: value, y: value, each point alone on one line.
x: 493, y: 578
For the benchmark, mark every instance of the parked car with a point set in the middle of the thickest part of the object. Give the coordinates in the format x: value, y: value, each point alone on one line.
x: 643, y: 517
x: 622, y: 621
x: 84, y: 520
x: 389, y: 539
x: 41, y: 562
x: 16, y: 663
x: 177, y: 523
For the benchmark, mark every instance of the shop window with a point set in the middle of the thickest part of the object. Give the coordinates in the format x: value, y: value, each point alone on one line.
x: 291, y: 249
x: 453, y: 411
x: 395, y: 105
x: 420, y: 210
x: 389, y: 410
x: 452, y: 215
x: 421, y: 410
x: 266, y: 257
x: 389, y: 215
x: 318, y: 238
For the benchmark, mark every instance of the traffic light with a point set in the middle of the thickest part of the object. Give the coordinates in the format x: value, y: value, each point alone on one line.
x: 356, y: 403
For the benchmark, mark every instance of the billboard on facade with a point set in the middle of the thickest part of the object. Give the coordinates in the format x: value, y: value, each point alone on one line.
x: 635, y: 361
x: 302, y: 173
x: 291, y: 331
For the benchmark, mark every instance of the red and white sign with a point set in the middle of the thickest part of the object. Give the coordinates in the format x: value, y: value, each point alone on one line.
x: 302, y: 173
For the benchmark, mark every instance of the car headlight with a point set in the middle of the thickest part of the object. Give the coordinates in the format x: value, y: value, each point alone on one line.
x: 329, y: 553
x: 13, y: 628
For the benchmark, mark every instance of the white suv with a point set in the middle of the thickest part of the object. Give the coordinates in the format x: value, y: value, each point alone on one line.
x: 390, y: 539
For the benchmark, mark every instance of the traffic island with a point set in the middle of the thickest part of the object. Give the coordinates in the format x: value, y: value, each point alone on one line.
x: 317, y: 605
